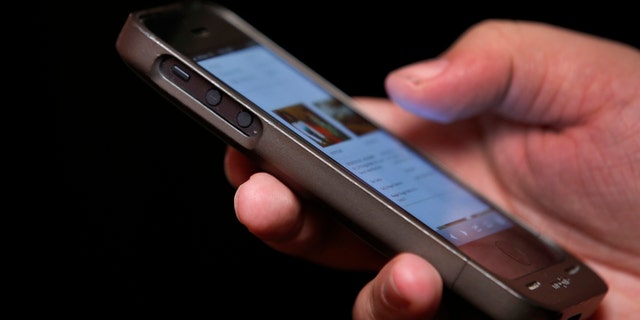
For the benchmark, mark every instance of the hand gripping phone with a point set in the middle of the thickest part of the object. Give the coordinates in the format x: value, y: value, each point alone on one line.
x: 258, y: 98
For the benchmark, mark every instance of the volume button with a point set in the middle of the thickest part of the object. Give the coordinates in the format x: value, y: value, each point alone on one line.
x: 210, y: 97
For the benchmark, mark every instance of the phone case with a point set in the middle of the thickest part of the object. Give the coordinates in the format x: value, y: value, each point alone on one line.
x: 565, y: 290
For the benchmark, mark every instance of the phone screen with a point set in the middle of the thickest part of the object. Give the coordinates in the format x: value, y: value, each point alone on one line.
x: 377, y: 158
x: 369, y: 153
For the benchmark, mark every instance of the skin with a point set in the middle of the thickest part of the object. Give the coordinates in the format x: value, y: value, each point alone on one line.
x: 543, y: 121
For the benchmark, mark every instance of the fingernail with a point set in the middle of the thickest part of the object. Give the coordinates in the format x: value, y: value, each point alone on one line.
x: 424, y: 71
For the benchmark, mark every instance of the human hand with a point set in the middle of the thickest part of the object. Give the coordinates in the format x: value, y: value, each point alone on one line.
x: 544, y: 121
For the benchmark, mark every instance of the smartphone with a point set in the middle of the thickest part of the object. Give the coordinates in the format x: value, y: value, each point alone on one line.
x: 260, y: 99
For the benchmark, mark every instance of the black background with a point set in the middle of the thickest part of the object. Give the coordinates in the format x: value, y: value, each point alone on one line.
x: 154, y: 228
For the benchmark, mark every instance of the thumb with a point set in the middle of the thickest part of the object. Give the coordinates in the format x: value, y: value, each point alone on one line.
x: 407, y: 287
x: 524, y: 71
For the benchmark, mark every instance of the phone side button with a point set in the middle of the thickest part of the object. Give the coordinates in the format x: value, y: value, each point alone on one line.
x: 213, y: 97
x: 244, y: 119
x: 180, y: 73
